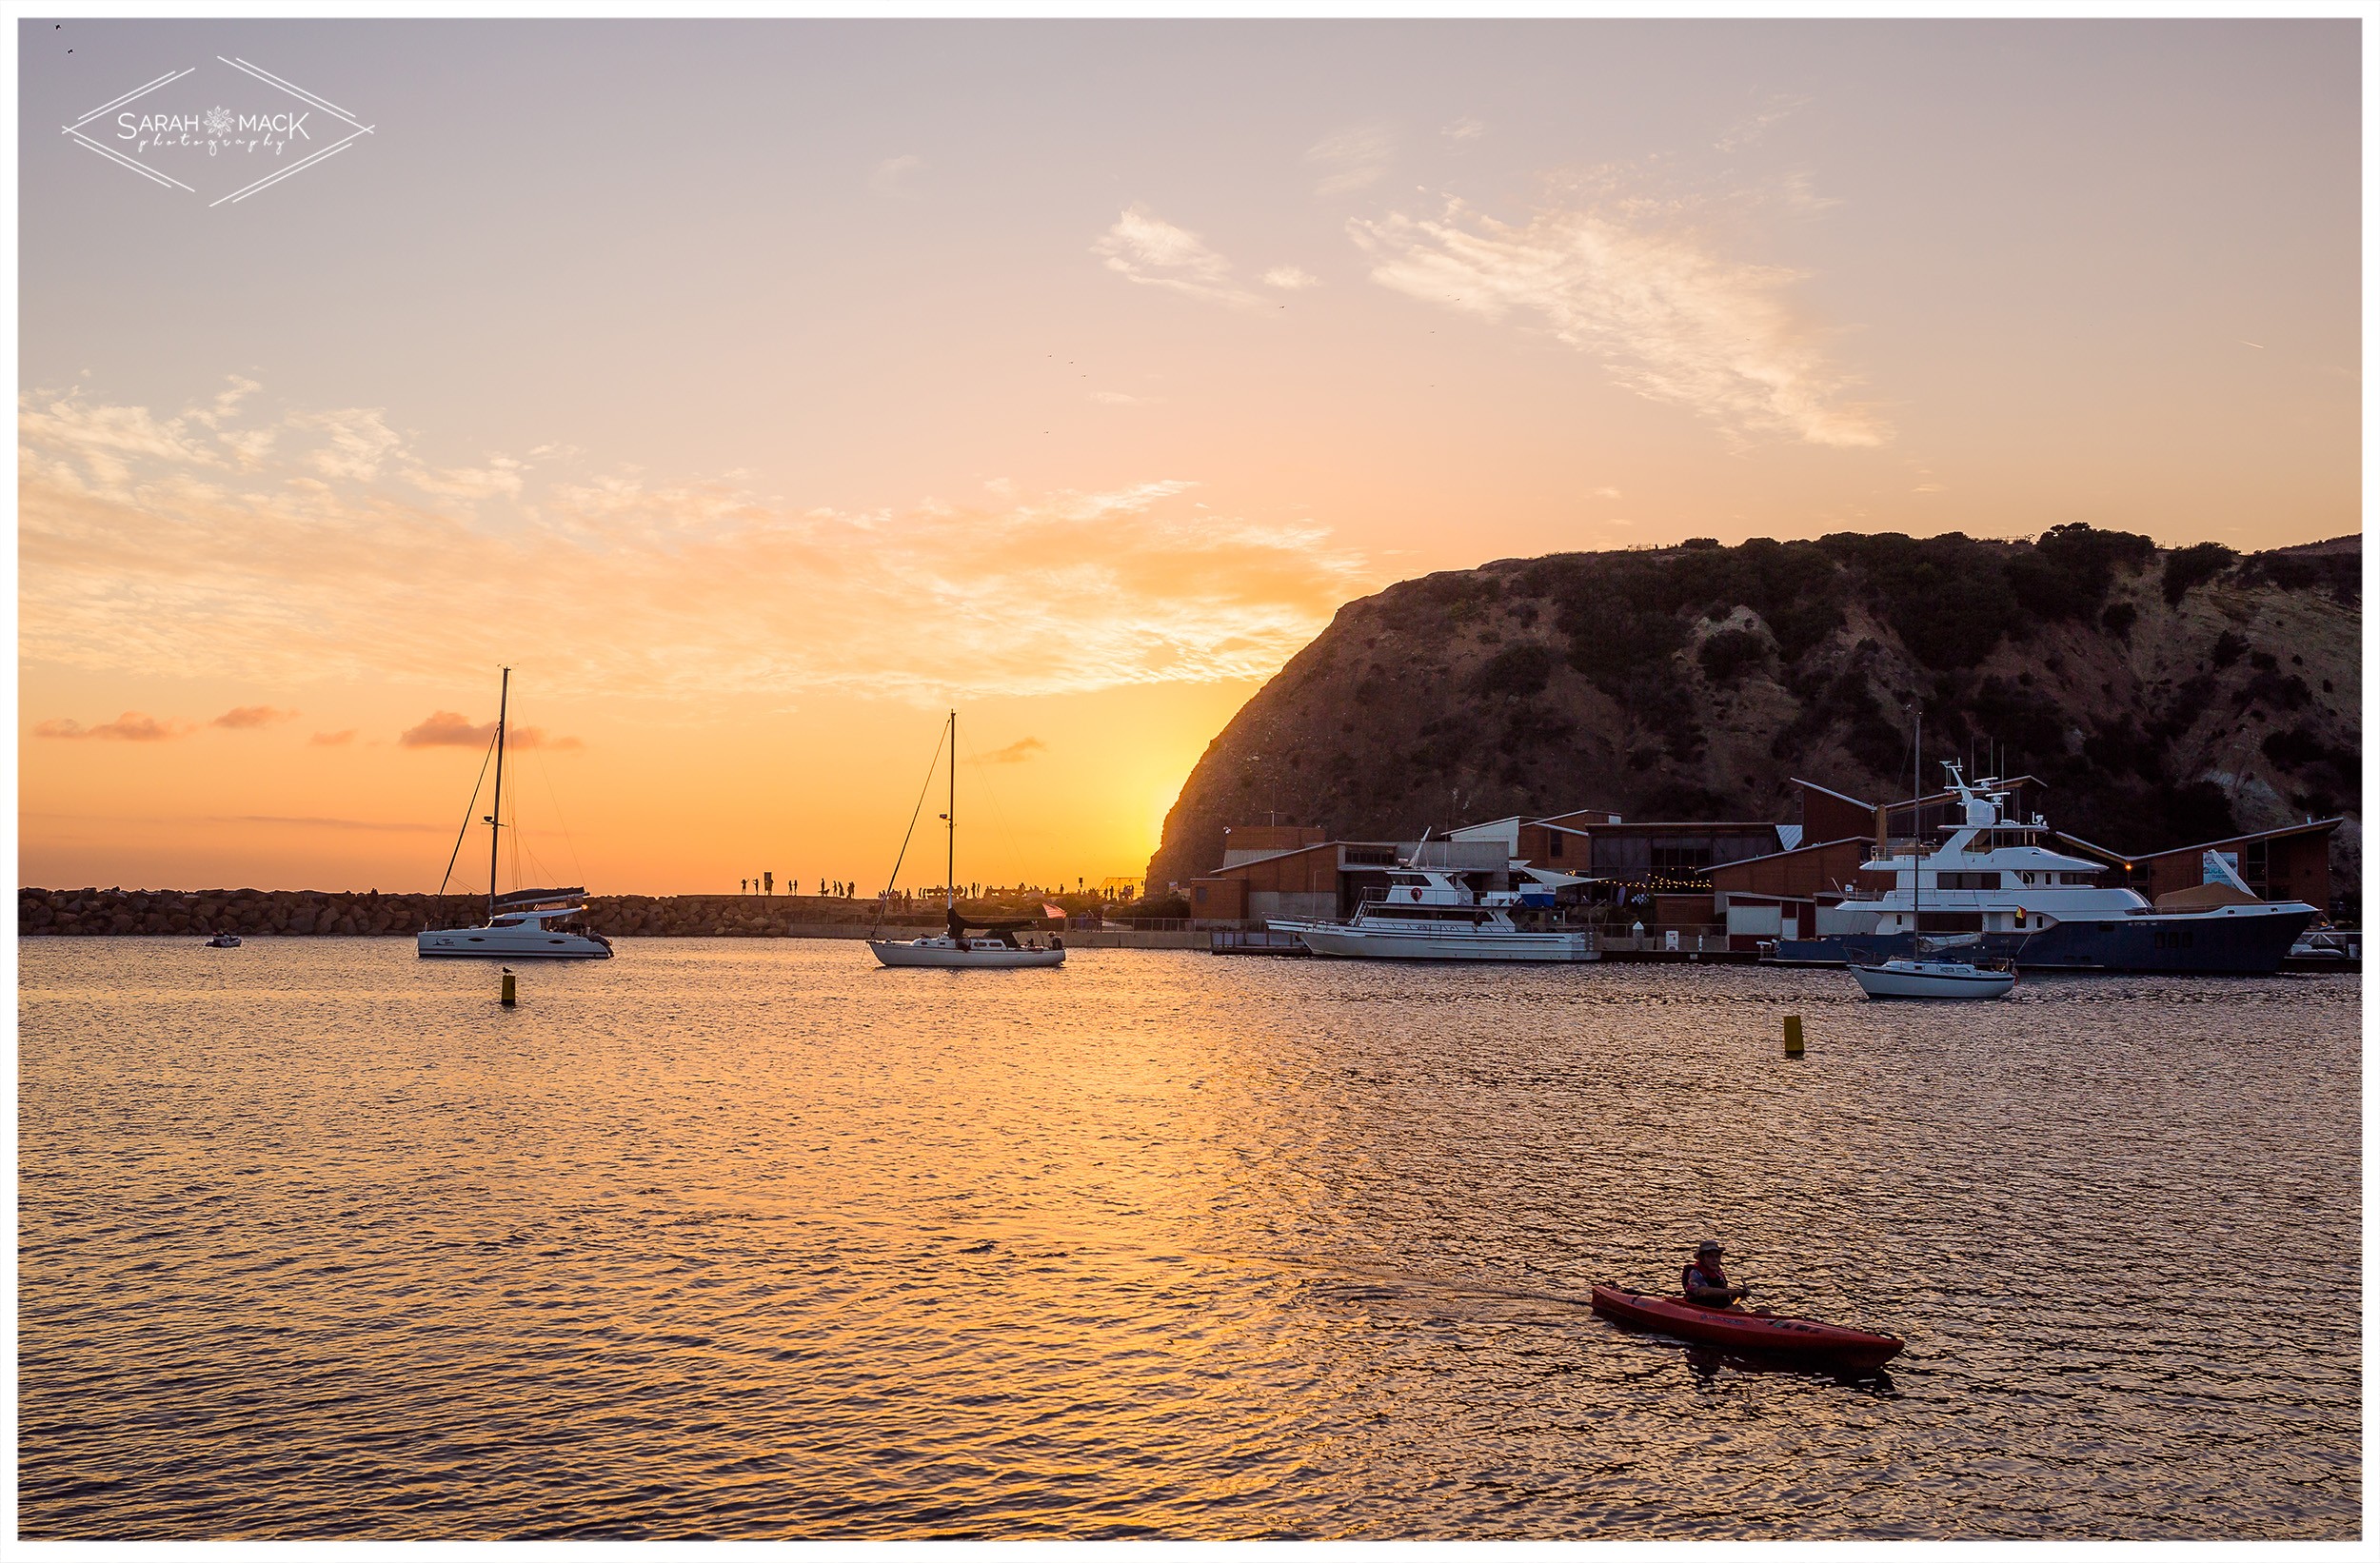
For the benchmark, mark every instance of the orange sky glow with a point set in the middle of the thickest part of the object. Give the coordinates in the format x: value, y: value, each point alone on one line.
x: 1073, y: 374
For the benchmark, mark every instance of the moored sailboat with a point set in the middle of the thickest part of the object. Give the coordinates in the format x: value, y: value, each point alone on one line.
x: 954, y: 948
x: 520, y: 924
x: 1917, y: 975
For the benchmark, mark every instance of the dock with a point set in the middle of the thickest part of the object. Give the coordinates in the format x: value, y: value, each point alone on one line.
x: 1255, y: 941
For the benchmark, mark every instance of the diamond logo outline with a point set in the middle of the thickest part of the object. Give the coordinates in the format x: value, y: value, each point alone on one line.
x: 357, y: 130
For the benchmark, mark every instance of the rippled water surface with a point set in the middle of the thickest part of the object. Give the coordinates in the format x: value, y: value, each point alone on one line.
x: 751, y: 1239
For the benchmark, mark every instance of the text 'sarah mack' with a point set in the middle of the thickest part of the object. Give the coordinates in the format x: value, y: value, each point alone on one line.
x: 215, y: 125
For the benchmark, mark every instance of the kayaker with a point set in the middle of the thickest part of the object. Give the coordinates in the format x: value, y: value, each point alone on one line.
x: 1706, y: 1278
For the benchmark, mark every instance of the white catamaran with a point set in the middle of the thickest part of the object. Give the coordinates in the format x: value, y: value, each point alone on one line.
x: 954, y: 948
x: 518, y: 925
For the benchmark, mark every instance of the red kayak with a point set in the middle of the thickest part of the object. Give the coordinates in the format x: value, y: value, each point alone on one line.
x: 1748, y: 1330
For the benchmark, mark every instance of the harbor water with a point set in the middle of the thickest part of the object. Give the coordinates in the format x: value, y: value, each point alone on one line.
x: 752, y: 1238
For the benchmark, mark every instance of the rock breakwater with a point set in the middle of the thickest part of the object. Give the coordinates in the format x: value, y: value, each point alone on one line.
x: 91, y: 911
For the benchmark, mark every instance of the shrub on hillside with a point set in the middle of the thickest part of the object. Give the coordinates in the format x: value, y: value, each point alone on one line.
x: 2194, y: 566
x: 1519, y: 672
x: 1948, y: 598
x: 2339, y: 574
x: 2066, y: 572
x: 1728, y: 653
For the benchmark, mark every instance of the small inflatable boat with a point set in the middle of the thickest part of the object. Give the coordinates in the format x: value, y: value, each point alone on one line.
x: 1748, y: 1330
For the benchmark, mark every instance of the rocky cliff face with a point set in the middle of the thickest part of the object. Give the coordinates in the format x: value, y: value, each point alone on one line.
x: 2166, y: 696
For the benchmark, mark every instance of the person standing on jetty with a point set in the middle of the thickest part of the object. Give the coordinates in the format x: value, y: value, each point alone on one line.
x: 1706, y: 1278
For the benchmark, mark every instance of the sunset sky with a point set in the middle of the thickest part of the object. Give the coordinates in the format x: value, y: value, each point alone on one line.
x: 758, y: 390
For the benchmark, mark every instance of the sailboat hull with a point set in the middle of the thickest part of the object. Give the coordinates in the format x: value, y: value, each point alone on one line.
x: 509, y: 945
x: 974, y: 954
x: 1932, y: 979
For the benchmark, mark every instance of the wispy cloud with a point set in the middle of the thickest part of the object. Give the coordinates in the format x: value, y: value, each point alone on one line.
x: 503, y: 475
x: 1115, y: 398
x: 1465, y: 128
x: 1745, y: 132
x: 892, y: 176
x: 1015, y: 754
x: 183, y: 566
x: 356, y: 442
x: 452, y: 729
x: 252, y: 716
x: 1352, y: 159
x: 1290, y: 279
x: 1638, y: 284
x: 339, y: 739
x: 315, y: 822
x: 1145, y: 248
x: 131, y: 727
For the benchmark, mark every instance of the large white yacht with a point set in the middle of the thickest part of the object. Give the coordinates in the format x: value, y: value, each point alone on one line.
x: 1431, y: 914
x: 1992, y: 887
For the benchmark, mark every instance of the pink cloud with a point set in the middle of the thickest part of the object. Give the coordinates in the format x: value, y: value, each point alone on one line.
x: 133, y: 727
x: 252, y: 716
x: 452, y: 729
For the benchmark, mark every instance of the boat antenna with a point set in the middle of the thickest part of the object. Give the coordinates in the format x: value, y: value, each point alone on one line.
x: 495, y: 821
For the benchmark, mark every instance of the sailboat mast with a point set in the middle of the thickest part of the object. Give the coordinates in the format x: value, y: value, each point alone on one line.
x: 1917, y: 831
x: 950, y: 823
x: 495, y: 821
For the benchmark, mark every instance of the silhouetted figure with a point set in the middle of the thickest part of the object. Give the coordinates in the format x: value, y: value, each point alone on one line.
x: 956, y: 926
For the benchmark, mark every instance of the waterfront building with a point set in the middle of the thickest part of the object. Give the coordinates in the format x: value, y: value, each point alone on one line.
x: 1753, y: 880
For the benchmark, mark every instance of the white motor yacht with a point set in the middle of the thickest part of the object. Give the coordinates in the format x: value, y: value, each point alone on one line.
x: 1429, y: 914
x: 1995, y: 886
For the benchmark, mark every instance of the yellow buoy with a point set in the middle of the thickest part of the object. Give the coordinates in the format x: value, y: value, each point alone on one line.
x: 1793, y: 1036
x: 509, y: 1000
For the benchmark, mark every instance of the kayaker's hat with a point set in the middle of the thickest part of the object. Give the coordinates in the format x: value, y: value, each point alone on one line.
x: 1706, y: 1246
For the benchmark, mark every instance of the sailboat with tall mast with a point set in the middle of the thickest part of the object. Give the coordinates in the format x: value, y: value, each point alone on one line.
x: 954, y: 947
x: 519, y: 924
x: 1917, y: 975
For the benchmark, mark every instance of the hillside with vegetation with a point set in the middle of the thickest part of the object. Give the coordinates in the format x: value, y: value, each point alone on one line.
x: 2166, y: 695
